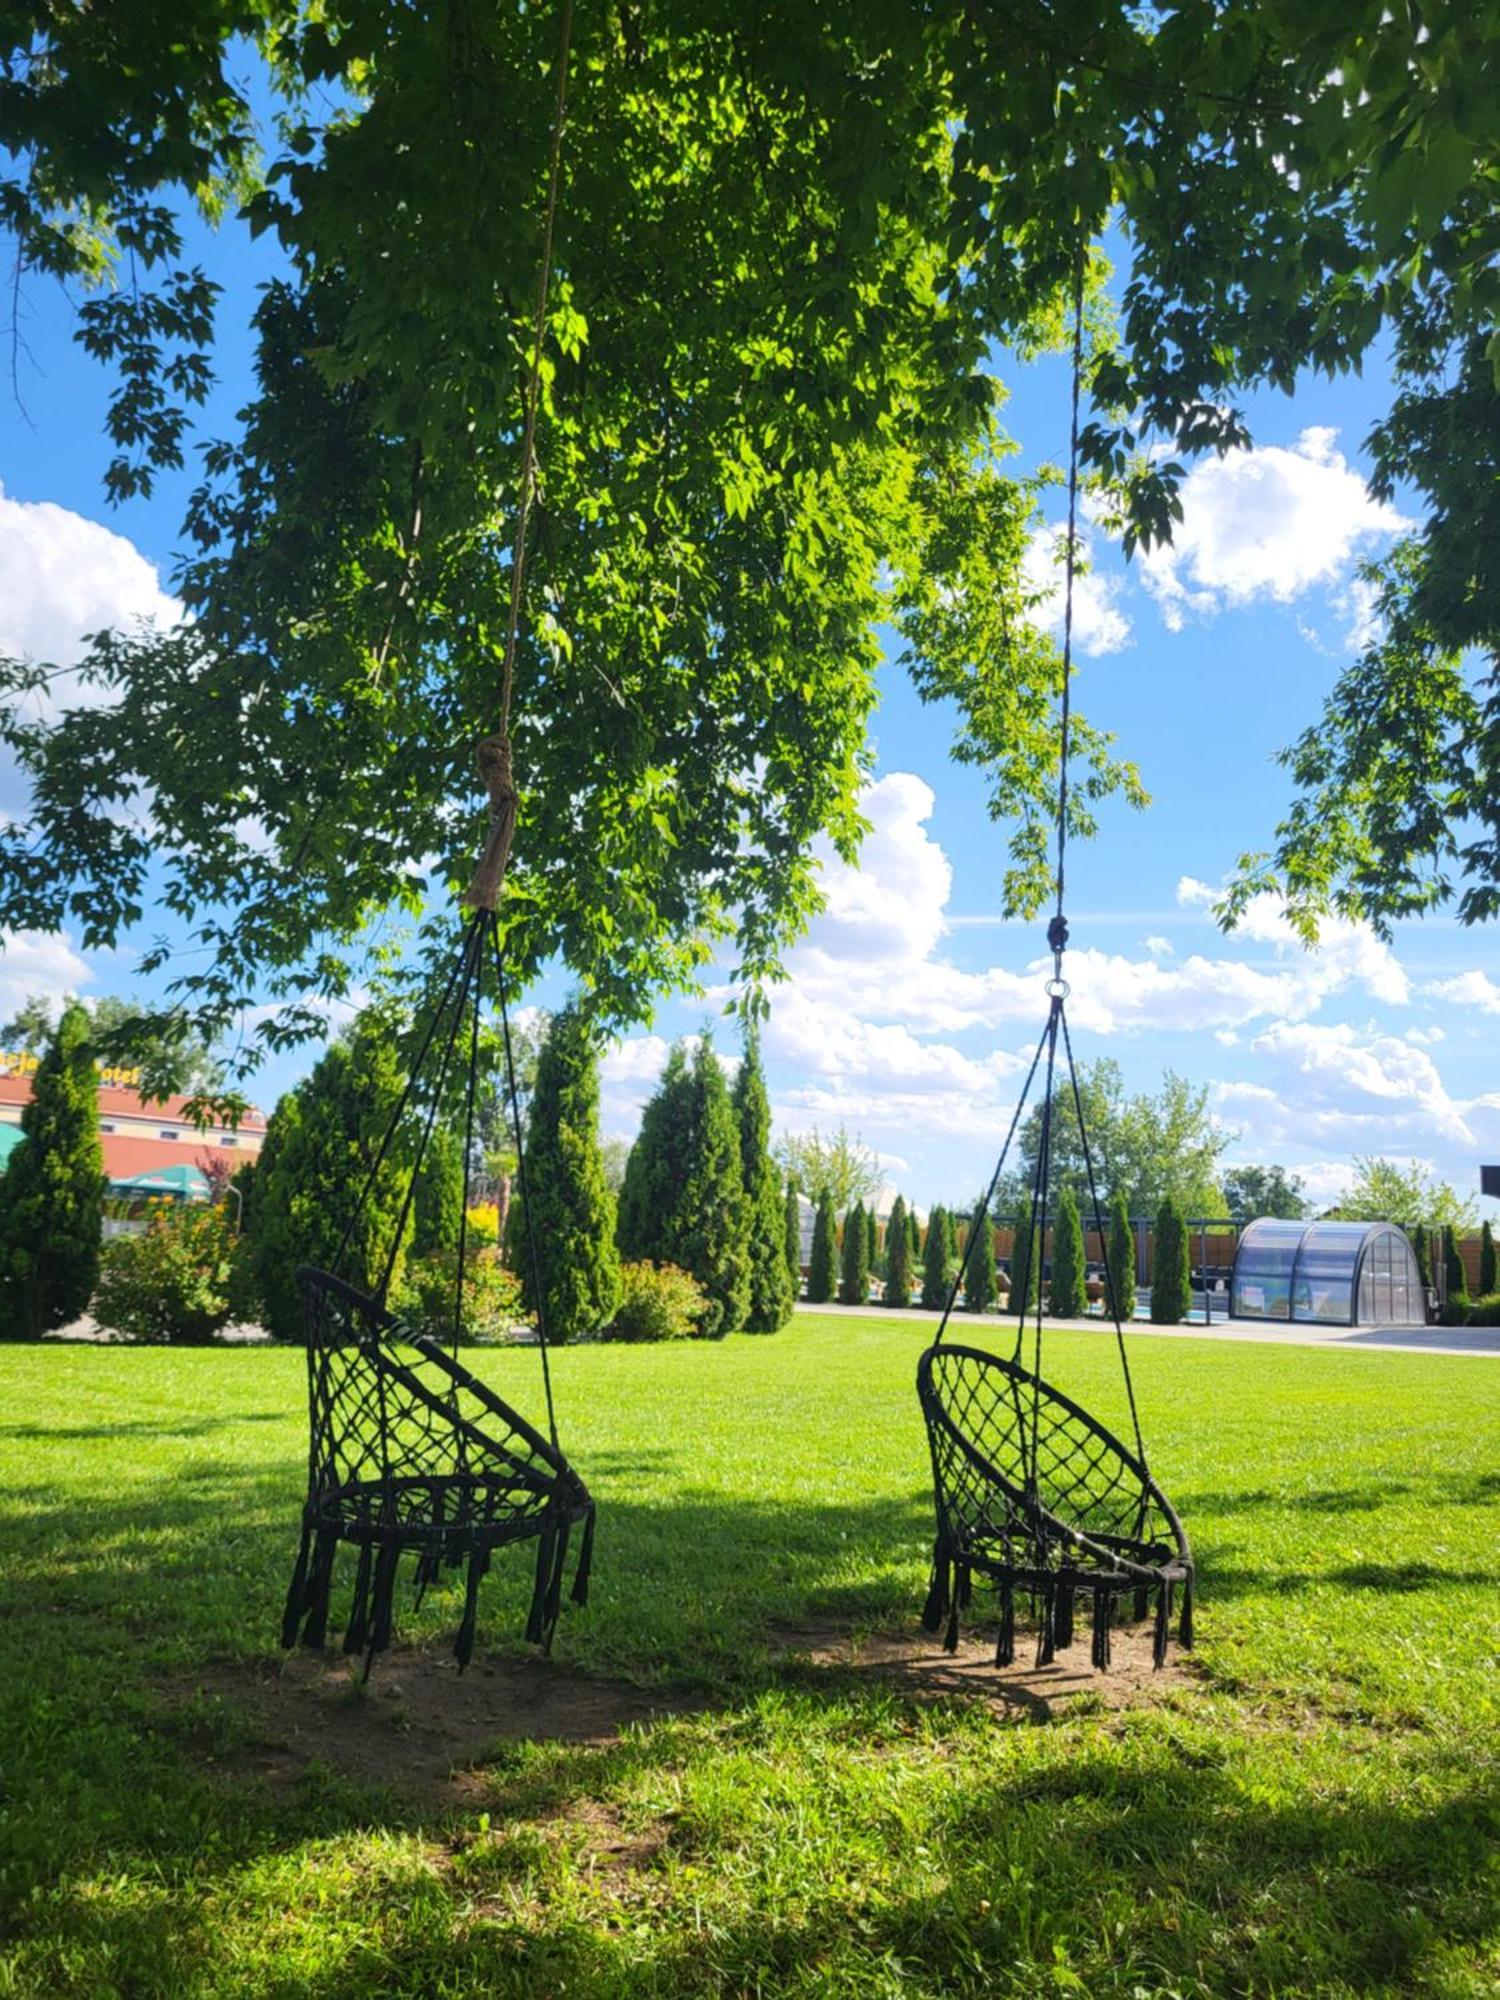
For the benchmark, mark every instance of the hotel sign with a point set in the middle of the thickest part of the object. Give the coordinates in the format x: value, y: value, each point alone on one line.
x: 18, y: 1062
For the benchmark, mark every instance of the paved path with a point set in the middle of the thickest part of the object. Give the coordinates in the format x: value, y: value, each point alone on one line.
x: 1407, y: 1339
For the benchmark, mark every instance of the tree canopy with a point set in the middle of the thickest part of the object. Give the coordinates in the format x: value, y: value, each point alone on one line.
x: 1408, y: 1194
x: 1145, y: 1145
x: 788, y: 243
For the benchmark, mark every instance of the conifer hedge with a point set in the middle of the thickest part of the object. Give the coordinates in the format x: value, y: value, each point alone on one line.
x: 981, y: 1280
x: 823, y: 1263
x: 898, y: 1256
x: 1121, y: 1256
x: 771, y: 1290
x: 1068, y: 1297
x: 51, y: 1194
x: 1171, y: 1273
x: 935, y: 1278
x: 854, y: 1269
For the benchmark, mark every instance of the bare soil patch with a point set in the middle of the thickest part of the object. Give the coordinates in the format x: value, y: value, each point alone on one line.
x: 418, y: 1726
x: 917, y: 1666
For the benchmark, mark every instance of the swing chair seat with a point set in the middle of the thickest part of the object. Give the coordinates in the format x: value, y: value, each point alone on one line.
x: 411, y: 1453
x: 1036, y: 1495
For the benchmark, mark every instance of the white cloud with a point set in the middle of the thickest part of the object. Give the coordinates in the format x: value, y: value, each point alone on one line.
x: 1158, y: 947
x: 1268, y: 523
x: 1099, y: 626
x: 1336, y: 1086
x: 63, y: 577
x: 1468, y: 989
x: 33, y: 962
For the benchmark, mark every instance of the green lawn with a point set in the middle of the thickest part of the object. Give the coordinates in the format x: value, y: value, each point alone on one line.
x: 1315, y: 1811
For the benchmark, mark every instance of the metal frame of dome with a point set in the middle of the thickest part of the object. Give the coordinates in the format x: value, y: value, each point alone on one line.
x: 1337, y: 1257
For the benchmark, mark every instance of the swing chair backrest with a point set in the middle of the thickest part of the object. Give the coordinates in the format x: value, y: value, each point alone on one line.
x: 401, y: 1414
x: 1015, y: 1461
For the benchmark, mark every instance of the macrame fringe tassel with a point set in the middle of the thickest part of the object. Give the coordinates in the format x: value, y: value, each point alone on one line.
x: 1185, y: 1629
x: 1103, y: 1604
x: 963, y: 1592
x: 1046, y: 1638
x: 1062, y: 1616
x: 1142, y: 1601
x: 319, y: 1586
x: 382, y: 1602
x: 356, y: 1631
x: 939, y: 1590
x: 555, y: 1584
x: 463, y: 1645
x: 291, y: 1617
x: 585, y: 1561
x: 1005, y: 1646
x: 536, y: 1621
x: 1162, y: 1635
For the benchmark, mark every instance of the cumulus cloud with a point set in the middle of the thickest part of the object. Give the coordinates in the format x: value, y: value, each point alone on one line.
x: 32, y: 962
x: 1337, y: 1086
x: 63, y: 577
x: 1468, y: 989
x: 1268, y: 523
x: 1099, y: 625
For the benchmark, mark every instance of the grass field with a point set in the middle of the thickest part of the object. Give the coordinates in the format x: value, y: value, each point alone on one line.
x: 1313, y: 1810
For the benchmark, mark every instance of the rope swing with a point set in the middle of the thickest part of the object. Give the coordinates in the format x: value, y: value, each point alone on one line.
x: 409, y: 1452
x: 1032, y: 1492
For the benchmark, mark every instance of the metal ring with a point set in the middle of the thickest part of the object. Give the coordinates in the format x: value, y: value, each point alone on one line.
x: 1058, y: 989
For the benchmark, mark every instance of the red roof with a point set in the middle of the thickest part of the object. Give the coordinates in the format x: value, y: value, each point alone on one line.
x: 117, y: 1103
x: 124, y: 1158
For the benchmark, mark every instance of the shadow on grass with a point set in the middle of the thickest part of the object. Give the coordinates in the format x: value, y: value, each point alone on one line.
x: 137, y: 1428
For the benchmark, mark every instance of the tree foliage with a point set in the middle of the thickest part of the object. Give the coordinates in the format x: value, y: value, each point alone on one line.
x: 1145, y: 1145
x: 1068, y: 1295
x: 792, y: 1239
x: 1025, y: 1265
x: 1120, y: 1257
x: 854, y: 1259
x: 1487, y: 1265
x: 823, y: 1263
x: 52, y: 1188
x: 1455, y: 1275
x: 771, y: 1291
x: 898, y: 1259
x: 564, y: 1213
x: 1171, y: 1268
x: 322, y: 1141
x: 840, y: 1162
x: 1410, y: 1195
x: 936, y: 1263
x: 1253, y: 1191
x: 981, y: 1280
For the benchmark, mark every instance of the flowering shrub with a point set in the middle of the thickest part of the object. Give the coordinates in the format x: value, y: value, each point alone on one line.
x: 484, y: 1224
x: 657, y: 1302
x: 491, y: 1297
x: 174, y: 1281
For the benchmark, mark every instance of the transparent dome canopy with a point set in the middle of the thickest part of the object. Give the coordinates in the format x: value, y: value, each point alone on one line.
x: 1327, y: 1273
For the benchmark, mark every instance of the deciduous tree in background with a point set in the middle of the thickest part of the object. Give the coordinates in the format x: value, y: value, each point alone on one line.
x: 52, y: 1189
x: 840, y: 1162
x: 564, y: 1194
x: 1253, y: 1191
x: 771, y: 1292
x: 823, y: 1264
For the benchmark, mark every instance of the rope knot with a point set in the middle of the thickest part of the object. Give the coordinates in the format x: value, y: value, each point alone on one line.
x: 493, y: 758
x: 1057, y: 933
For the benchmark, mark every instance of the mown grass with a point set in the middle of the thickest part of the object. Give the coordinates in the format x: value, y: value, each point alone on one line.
x: 1314, y: 1812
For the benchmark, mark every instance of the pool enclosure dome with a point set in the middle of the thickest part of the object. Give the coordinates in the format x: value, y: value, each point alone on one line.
x: 1328, y: 1273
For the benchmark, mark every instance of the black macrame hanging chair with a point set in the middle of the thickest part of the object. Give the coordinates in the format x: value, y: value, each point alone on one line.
x: 1033, y: 1494
x: 410, y: 1453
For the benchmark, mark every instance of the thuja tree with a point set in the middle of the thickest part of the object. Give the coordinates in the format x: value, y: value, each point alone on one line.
x: 651, y: 1193
x: 898, y: 1262
x: 1486, y: 1260
x: 1120, y: 1256
x: 935, y: 1261
x: 1455, y: 1275
x: 1171, y: 1273
x: 52, y: 1189
x: 322, y: 1141
x: 1025, y: 1265
x: 771, y: 1290
x: 1068, y: 1295
x: 981, y: 1281
x: 823, y: 1264
x: 438, y: 1201
x: 563, y: 1212
x: 854, y: 1266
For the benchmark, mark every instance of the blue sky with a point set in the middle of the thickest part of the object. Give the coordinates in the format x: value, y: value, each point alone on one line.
x: 911, y: 1003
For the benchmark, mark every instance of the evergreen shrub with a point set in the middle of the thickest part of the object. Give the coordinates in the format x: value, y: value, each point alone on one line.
x: 492, y: 1305
x: 1068, y: 1297
x: 657, y: 1302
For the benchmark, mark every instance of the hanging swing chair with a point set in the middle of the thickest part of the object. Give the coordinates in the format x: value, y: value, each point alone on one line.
x: 1033, y: 1494
x: 410, y: 1453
